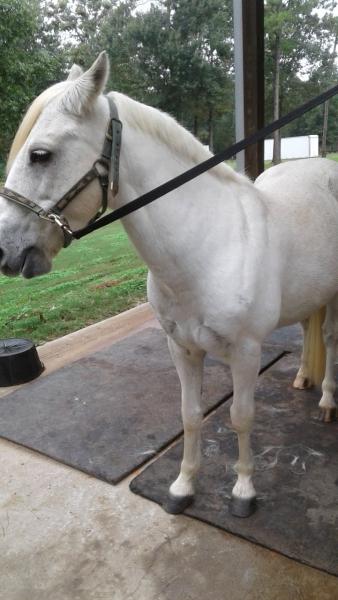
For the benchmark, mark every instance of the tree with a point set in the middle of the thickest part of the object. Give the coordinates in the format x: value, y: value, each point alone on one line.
x: 87, y: 27
x: 183, y: 50
x: 29, y: 62
x: 79, y: 25
x: 177, y: 56
x: 328, y: 74
x: 295, y: 36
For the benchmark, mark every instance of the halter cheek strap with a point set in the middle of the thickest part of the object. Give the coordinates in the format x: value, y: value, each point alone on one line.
x: 105, y: 169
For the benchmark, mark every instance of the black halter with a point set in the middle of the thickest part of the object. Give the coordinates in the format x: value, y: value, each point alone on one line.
x: 105, y: 169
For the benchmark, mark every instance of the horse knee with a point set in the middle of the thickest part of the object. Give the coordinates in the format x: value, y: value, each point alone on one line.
x: 192, y: 419
x: 242, y: 417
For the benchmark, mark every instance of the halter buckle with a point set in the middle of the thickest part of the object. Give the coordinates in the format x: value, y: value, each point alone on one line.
x: 61, y: 221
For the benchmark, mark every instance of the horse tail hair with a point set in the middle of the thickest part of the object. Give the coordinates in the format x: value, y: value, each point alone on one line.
x: 314, y: 348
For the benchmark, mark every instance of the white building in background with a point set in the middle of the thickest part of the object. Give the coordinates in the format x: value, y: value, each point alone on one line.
x: 303, y: 146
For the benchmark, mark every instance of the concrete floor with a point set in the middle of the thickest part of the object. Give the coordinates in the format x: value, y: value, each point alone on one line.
x: 67, y: 536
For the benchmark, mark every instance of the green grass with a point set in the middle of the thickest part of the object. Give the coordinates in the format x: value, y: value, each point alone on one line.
x: 93, y: 279
x: 333, y: 156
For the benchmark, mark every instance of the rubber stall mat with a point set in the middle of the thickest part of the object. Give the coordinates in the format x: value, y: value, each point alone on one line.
x: 296, y: 478
x: 108, y: 413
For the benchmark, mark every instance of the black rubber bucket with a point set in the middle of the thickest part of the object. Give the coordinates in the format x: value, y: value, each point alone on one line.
x: 19, y: 362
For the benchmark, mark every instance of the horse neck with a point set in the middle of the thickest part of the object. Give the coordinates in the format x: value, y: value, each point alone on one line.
x: 173, y: 226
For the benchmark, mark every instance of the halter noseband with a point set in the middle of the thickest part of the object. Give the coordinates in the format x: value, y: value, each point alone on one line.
x: 105, y: 169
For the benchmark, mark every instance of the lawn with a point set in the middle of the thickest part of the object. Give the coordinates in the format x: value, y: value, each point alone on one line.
x: 93, y: 279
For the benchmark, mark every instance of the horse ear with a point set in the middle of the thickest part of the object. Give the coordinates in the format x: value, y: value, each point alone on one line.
x: 80, y: 96
x: 74, y: 72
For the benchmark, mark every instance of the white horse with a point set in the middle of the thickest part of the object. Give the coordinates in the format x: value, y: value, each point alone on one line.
x: 228, y: 261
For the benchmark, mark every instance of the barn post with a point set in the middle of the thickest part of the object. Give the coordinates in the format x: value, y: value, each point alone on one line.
x: 249, y: 81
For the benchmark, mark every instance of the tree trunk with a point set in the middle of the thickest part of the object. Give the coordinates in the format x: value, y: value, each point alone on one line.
x: 195, y: 126
x: 276, y: 157
x: 325, y: 122
x: 210, y: 131
x: 326, y: 104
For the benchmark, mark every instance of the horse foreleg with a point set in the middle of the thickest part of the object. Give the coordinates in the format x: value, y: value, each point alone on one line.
x: 189, y: 366
x: 327, y: 404
x: 245, y: 364
x: 303, y: 380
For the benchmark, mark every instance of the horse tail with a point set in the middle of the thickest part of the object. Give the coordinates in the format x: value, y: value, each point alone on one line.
x: 314, y: 348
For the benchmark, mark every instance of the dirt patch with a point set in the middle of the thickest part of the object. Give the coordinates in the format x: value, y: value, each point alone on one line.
x: 107, y: 284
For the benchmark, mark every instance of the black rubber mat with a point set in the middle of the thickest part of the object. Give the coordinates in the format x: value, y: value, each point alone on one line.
x: 108, y: 413
x: 296, y: 478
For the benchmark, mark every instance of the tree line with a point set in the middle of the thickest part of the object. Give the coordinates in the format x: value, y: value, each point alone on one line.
x: 177, y: 56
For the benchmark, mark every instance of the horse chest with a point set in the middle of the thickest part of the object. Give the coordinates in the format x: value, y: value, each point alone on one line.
x: 192, y: 334
x: 206, y: 321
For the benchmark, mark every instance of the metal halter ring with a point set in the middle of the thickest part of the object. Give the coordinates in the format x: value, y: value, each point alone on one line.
x: 62, y: 222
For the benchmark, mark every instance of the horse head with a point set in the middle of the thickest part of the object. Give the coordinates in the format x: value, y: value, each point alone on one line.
x: 58, y: 141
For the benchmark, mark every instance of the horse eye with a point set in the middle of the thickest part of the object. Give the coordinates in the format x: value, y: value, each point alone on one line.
x: 40, y: 156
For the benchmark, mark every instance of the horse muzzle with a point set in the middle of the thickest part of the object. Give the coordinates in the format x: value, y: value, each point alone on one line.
x: 31, y: 262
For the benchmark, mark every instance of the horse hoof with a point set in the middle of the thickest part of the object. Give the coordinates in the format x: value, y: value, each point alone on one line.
x: 175, y: 505
x: 327, y: 415
x: 242, y: 507
x: 302, y: 383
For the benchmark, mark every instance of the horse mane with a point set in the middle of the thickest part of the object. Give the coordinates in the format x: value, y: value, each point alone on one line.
x: 164, y: 127
x: 146, y: 118
x: 30, y: 118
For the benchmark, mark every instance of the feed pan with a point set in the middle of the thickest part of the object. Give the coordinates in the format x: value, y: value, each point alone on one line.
x: 19, y: 361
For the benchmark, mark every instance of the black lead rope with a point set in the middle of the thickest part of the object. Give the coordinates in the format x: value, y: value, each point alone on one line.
x: 176, y: 182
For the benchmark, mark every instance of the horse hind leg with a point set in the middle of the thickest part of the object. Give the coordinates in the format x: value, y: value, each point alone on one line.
x: 327, y: 404
x: 245, y: 364
x: 312, y: 367
x: 303, y: 380
x: 189, y: 366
